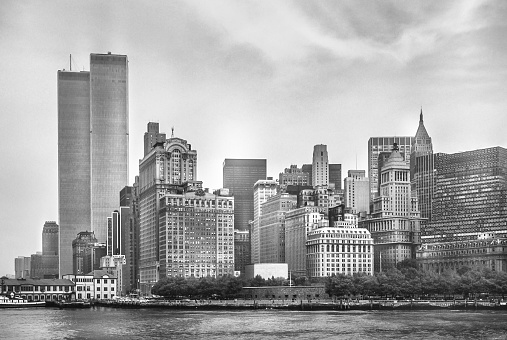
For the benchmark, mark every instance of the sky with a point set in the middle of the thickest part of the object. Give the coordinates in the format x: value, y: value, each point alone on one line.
x: 248, y: 79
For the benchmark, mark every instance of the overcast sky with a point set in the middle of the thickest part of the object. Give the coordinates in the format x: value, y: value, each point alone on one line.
x: 248, y: 79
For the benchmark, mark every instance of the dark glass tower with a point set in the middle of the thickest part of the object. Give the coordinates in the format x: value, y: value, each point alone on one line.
x: 239, y: 176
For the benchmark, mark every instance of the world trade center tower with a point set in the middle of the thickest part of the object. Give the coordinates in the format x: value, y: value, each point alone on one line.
x: 92, y: 148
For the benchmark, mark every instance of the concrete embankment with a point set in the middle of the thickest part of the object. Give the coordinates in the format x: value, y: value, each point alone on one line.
x: 304, y: 305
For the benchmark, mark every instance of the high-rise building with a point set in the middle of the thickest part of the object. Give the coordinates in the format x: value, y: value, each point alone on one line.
x: 241, y: 250
x: 92, y: 148
x: 376, y: 145
x: 74, y: 181
x: 422, y: 170
x: 239, y: 176
x: 109, y: 136
x: 320, y: 166
x: 469, y: 214
x: 307, y: 169
x: 82, y: 252
x: 22, y: 267
x: 357, y: 191
x: 45, y: 264
x: 395, y: 221
x: 152, y: 136
x: 263, y: 189
x: 272, y: 227
x: 50, y: 238
x: 163, y: 169
x: 335, y: 176
x: 129, y: 206
x: 196, y: 232
x: 298, y: 223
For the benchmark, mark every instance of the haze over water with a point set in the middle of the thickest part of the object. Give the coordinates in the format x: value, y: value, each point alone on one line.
x: 109, y: 323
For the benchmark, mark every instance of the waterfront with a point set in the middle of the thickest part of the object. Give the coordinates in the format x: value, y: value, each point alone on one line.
x: 111, y: 323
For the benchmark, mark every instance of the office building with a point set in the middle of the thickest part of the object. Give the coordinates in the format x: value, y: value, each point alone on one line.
x: 272, y: 227
x: 307, y: 169
x: 468, y: 225
x: 50, y: 239
x: 239, y: 176
x: 87, y: 252
x: 422, y: 171
x: 196, y: 232
x: 320, y: 166
x: 22, y: 267
x: 92, y: 148
x: 376, y: 145
x: 152, y: 136
x: 342, y: 248
x: 335, y: 176
x: 298, y: 223
x: 293, y: 176
x: 129, y: 198
x: 357, y: 191
x: 263, y: 189
x: 242, y: 248
x: 45, y: 264
x: 395, y: 221
x: 164, y: 168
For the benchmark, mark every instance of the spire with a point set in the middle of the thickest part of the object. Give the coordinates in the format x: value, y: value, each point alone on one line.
x: 172, y: 132
x: 421, y: 117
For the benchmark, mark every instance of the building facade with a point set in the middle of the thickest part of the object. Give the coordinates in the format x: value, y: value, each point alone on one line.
x: 395, y: 221
x: 97, y: 284
x: 357, y: 191
x: 161, y: 171
x: 293, y: 176
x: 263, y: 189
x: 298, y: 223
x: 93, y: 140
x: 339, y: 249
x: 196, y: 233
x: 272, y: 227
x: 376, y: 145
x: 469, y: 212
x: 422, y: 171
x: 22, y: 267
x: 320, y: 166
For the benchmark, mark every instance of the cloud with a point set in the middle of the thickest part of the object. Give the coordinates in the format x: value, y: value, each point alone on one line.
x: 285, y: 32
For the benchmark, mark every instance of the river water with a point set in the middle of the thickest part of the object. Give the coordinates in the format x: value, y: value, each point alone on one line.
x: 110, y: 323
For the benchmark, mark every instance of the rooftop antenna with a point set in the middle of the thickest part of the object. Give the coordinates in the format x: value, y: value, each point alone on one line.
x: 70, y: 61
x: 172, y: 132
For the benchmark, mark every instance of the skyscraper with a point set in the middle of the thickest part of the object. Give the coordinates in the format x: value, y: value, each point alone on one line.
x: 357, y: 191
x: 92, y: 148
x: 167, y: 165
x: 109, y: 136
x: 239, y: 176
x: 320, y: 165
x: 74, y: 182
x: 263, y: 189
x: 394, y: 222
x: 468, y: 225
x: 421, y: 170
x: 376, y: 145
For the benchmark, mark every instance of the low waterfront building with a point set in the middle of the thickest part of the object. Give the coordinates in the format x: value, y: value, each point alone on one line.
x: 39, y: 289
x: 267, y: 270
x: 97, y: 284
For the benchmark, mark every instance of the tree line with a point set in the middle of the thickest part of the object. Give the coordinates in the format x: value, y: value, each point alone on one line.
x: 406, y: 280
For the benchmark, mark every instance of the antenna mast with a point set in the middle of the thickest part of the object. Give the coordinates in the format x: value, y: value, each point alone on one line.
x: 70, y: 61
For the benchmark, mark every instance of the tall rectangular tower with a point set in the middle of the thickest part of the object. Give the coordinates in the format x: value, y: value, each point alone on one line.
x: 240, y: 175
x: 92, y: 148
x: 73, y: 161
x: 320, y: 165
x: 109, y: 136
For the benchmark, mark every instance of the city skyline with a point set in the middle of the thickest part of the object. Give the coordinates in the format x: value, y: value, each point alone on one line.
x: 239, y: 85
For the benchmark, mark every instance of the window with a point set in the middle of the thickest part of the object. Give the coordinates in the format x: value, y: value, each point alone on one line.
x: 98, y: 289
